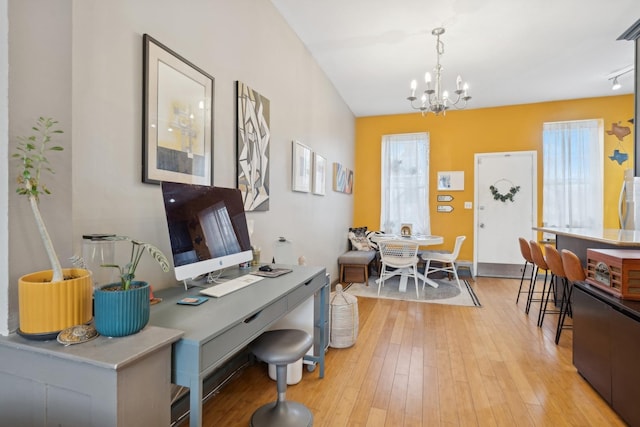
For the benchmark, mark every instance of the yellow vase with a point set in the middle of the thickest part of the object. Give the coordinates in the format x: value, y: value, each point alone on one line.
x: 47, y: 307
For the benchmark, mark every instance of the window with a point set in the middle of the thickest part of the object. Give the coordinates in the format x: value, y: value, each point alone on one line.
x: 405, y: 183
x: 573, y: 174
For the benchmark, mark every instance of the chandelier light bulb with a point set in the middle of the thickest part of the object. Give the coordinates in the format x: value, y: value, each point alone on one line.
x: 427, y: 77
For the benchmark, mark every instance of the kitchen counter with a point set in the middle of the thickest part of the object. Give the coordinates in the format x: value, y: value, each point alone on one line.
x: 578, y: 240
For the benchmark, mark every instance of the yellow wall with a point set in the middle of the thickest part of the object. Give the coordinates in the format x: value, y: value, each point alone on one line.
x: 456, y: 138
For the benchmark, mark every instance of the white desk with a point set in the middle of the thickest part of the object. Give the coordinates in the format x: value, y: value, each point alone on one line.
x: 219, y: 328
x: 422, y: 240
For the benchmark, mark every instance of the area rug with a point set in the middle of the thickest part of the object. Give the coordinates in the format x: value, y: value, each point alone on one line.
x: 446, y: 293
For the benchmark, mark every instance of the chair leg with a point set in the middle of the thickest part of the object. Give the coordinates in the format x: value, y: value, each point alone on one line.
x: 532, y: 287
x: 565, y: 307
x: 382, y: 278
x: 426, y: 272
x: 544, y: 288
x: 415, y: 279
x: 524, y: 270
x: 455, y: 274
x: 543, y: 309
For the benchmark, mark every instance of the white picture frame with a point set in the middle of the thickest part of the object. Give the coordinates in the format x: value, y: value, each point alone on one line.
x: 319, y: 174
x: 451, y: 181
x: 300, y: 167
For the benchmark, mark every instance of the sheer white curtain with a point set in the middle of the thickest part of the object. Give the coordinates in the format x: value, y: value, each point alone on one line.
x: 573, y: 174
x: 405, y: 183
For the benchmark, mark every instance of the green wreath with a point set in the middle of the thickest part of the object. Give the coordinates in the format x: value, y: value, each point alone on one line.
x: 504, y: 197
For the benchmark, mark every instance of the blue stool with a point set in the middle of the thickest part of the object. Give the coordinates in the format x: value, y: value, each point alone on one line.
x: 282, y: 347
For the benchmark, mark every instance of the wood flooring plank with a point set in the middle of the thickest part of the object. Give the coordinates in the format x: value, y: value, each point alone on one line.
x: 377, y: 417
x: 397, y: 401
x: 413, y: 411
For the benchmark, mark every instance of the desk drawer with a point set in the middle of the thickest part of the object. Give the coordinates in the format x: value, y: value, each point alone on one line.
x: 305, y: 291
x: 215, y: 351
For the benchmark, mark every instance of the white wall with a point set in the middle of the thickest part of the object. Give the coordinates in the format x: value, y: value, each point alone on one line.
x: 4, y: 176
x: 98, y: 100
x: 39, y: 85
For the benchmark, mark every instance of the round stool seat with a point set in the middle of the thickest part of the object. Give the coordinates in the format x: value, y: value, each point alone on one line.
x: 281, y: 346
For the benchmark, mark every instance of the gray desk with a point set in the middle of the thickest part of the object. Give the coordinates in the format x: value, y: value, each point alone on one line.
x: 106, y: 382
x: 219, y: 328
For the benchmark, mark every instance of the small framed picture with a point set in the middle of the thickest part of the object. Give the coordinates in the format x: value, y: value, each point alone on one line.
x: 301, y: 167
x: 319, y: 174
x: 451, y: 181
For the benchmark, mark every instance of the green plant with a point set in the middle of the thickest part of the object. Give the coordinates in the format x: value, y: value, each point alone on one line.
x: 127, y: 273
x: 31, y: 152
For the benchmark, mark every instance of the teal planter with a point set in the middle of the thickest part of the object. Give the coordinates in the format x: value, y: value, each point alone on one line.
x: 120, y: 313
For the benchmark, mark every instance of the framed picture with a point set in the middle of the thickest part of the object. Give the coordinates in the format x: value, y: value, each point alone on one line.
x: 319, y: 174
x: 451, y: 181
x: 301, y: 168
x: 342, y: 179
x: 177, y: 133
x: 253, y: 140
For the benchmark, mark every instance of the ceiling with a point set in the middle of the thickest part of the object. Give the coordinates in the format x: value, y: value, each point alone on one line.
x: 509, y: 51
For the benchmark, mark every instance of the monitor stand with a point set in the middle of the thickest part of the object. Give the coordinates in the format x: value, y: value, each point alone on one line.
x: 211, y: 278
x: 197, y: 282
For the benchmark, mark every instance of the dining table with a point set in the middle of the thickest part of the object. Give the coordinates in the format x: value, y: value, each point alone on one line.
x: 422, y: 240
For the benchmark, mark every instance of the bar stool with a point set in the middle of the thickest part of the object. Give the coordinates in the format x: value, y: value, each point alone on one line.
x: 540, y: 263
x: 525, y: 250
x: 282, y: 347
x: 575, y: 273
x: 554, y: 261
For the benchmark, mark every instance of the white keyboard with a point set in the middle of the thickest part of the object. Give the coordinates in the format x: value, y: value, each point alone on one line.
x: 232, y: 285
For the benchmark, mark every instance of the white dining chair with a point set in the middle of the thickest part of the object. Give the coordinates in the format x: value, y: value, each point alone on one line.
x: 398, y: 254
x: 446, y: 261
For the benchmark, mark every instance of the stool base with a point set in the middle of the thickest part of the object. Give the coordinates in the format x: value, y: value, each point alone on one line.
x: 282, y: 414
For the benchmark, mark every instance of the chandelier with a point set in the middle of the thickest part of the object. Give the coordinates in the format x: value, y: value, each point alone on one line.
x: 434, y: 99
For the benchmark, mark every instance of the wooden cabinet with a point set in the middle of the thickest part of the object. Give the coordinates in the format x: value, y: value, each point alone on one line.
x: 606, y: 347
x: 625, y: 375
x: 591, y: 345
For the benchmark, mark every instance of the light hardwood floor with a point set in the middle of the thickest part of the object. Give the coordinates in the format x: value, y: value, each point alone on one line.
x: 417, y: 364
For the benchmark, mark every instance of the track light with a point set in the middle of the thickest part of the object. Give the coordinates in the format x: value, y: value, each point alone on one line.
x: 616, y: 84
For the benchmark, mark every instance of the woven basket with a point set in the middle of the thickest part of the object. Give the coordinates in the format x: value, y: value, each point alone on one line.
x: 344, y: 319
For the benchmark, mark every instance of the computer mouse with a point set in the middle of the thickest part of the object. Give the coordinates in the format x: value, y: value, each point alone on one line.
x: 265, y: 268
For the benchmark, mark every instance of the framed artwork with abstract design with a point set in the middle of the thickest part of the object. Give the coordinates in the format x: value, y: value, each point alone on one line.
x: 342, y: 179
x: 253, y: 140
x: 177, y: 132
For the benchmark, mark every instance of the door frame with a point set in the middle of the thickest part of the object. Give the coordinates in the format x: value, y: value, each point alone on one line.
x: 534, y: 196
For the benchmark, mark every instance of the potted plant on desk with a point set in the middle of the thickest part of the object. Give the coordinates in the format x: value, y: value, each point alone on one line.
x: 51, y: 300
x: 122, y: 308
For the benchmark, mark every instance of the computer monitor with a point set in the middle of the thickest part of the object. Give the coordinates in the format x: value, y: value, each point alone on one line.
x: 207, y: 228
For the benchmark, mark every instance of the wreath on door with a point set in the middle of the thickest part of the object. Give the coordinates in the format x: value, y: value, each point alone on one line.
x: 503, y: 197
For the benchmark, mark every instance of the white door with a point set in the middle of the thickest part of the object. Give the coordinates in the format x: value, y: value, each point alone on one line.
x: 503, y: 214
